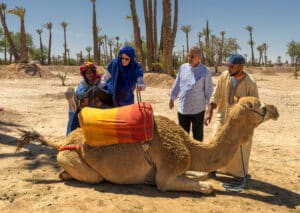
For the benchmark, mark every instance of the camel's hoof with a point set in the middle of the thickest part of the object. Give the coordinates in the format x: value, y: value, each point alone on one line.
x: 206, y: 188
x: 65, y: 176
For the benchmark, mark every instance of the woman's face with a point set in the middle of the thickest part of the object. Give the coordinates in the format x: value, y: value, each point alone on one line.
x: 125, y: 59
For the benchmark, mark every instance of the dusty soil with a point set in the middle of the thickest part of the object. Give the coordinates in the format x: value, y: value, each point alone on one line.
x: 29, y: 179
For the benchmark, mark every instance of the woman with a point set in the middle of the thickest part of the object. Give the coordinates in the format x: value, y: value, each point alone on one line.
x: 90, y: 78
x: 123, y: 74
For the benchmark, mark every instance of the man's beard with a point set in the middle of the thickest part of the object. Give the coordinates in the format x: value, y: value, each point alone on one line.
x: 235, y: 73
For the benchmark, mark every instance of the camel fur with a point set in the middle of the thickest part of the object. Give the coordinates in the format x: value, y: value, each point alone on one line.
x: 168, y: 160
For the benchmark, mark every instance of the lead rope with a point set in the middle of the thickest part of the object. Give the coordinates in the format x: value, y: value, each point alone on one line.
x: 138, y: 97
x: 145, y: 146
x: 142, y: 107
x: 239, y: 187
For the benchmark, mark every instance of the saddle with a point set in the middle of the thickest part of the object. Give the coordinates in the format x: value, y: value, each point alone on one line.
x: 125, y: 124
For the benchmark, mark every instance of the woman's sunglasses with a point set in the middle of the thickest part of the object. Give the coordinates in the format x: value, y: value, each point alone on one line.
x: 126, y: 59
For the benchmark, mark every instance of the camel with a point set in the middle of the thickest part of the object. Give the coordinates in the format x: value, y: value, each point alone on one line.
x: 172, y: 160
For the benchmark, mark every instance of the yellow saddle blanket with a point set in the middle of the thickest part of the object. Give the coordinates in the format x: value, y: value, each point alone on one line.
x: 126, y: 124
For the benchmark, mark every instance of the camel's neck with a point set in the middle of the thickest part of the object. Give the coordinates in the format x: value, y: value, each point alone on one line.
x: 220, y: 149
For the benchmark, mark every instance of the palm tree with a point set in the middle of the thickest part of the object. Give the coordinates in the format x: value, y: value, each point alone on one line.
x: 206, y: 32
x: 105, y: 48
x: 168, y: 35
x: 64, y: 26
x: 292, y: 51
x: 260, y: 50
x: 199, y: 35
x: 100, y: 43
x: 3, y: 44
x: 118, y: 45
x: 149, y: 31
x: 20, y: 12
x: 222, y: 33
x: 49, y: 27
x: 249, y: 28
x: 186, y: 29
x: 137, y: 34
x: 11, y: 44
x: 265, y: 47
x: 95, y: 35
x: 89, y: 49
x: 110, y: 43
x: 68, y: 55
x: 155, y: 31
x: 40, y: 31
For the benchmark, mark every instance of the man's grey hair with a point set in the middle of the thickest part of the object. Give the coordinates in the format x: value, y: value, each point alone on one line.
x: 197, y: 50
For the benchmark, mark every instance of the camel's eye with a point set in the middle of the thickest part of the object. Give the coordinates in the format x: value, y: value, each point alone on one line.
x: 249, y: 105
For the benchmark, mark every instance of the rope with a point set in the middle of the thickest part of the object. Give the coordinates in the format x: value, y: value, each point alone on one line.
x: 240, y: 187
x: 142, y: 107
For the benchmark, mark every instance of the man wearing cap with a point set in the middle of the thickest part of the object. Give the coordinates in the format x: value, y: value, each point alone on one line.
x: 232, y: 84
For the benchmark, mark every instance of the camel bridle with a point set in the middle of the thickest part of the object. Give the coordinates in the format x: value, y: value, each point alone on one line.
x: 263, y: 114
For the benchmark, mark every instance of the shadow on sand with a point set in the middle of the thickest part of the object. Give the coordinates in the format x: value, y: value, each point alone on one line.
x: 264, y: 192
x: 272, y: 194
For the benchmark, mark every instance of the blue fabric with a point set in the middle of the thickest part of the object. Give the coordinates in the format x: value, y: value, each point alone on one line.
x: 193, y: 87
x: 73, y: 121
x: 70, y: 116
x: 124, y: 78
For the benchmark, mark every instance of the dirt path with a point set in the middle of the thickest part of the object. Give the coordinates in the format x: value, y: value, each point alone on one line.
x: 29, y: 181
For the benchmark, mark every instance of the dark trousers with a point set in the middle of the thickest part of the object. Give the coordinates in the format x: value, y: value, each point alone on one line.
x: 196, y: 120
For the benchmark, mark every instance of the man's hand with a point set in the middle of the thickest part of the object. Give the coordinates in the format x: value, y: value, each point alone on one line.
x: 207, y: 117
x: 209, y: 113
x: 171, y: 104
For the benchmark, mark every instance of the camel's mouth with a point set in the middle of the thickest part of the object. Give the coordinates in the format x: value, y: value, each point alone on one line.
x: 273, y: 112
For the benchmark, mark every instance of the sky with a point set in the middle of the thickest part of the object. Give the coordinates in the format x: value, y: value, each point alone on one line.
x: 274, y: 22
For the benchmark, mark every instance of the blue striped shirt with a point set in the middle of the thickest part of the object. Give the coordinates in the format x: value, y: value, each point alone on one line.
x: 193, y: 87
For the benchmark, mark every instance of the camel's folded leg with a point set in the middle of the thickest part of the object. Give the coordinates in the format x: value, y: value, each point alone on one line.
x: 183, y: 183
x: 74, y: 166
x: 196, y: 175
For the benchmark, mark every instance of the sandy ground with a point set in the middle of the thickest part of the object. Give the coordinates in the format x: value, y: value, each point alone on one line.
x: 30, y: 183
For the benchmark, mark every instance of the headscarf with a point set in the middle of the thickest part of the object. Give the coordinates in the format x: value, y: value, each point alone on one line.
x: 88, y: 66
x: 124, y: 78
x: 128, y: 72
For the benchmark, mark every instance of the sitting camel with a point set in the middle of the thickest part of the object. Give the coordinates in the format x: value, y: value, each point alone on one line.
x: 168, y: 160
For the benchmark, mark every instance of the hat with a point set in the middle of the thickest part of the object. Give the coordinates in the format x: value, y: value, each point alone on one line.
x: 235, y: 59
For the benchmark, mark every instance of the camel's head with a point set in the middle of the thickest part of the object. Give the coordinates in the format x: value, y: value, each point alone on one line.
x: 255, y: 111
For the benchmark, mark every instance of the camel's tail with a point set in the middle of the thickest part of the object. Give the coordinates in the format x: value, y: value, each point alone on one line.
x: 28, y: 136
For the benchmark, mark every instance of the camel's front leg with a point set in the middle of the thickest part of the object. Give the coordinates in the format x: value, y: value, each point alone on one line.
x: 183, y: 183
x: 74, y: 166
x: 196, y: 175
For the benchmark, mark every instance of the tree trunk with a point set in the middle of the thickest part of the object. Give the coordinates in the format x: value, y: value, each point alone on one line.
x: 23, y: 49
x: 155, y: 53
x: 49, y: 48
x: 12, y: 47
x: 95, y: 36
x: 187, y: 43
x: 42, y: 50
x: 252, y: 51
x: 137, y: 35
x: 65, y: 46
x: 167, y: 38
x: 149, y: 32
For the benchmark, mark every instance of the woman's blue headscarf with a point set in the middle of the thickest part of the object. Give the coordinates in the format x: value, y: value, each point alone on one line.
x: 124, y: 78
x: 128, y: 73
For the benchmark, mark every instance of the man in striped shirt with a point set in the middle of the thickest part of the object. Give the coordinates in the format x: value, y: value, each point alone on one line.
x: 193, y: 87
